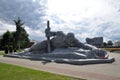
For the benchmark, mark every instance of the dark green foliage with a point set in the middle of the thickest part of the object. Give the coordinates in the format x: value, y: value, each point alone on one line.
x: 17, y: 39
x: 105, y: 44
x: 21, y: 36
x: 0, y: 44
x: 110, y: 43
x: 10, y: 48
x: 14, y: 49
x: 2, y: 52
x: 6, y: 49
x: 7, y: 39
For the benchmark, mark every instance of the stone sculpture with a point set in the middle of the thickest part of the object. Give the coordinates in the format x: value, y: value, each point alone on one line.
x: 96, y: 41
x: 64, y: 48
x: 61, y: 40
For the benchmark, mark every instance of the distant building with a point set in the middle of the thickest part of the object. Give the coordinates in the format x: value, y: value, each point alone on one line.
x: 96, y: 41
x: 116, y: 43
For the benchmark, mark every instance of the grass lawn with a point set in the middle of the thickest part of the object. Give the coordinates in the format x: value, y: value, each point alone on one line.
x: 12, y: 72
x: 112, y: 49
x: 2, y: 52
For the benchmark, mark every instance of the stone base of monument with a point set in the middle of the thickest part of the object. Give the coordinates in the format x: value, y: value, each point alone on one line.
x: 46, y: 55
x: 65, y: 56
x: 79, y: 61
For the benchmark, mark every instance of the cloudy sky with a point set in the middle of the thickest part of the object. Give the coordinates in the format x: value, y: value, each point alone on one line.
x: 85, y: 18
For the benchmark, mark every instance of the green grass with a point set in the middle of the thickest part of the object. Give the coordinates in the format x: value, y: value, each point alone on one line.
x: 12, y: 72
x: 112, y: 49
x: 2, y: 52
x: 21, y: 50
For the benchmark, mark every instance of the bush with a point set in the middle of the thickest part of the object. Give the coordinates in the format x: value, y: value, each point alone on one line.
x: 15, y: 49
x: 6, y: 49
x: 11, y: 49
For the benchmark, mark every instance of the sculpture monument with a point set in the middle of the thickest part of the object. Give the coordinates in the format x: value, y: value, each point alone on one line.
x: 65, y: 48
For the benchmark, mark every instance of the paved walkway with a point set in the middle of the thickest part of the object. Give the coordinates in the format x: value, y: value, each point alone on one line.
x: 90, y: 72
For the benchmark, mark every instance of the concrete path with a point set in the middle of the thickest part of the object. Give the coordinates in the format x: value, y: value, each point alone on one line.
x: 89, y: 72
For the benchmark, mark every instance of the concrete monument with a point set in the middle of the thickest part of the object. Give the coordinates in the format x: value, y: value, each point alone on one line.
x: 64, y: 48
x: 96, y: 41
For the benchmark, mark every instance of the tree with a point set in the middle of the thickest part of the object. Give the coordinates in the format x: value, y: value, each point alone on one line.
x: 110, y: 43
x: 6, y: 49
x: 105, y: 44
x: 17, y: 39
x: 21, y: 36
x: 18, y: 24
x: 6, y: 40
x: 14, y: 40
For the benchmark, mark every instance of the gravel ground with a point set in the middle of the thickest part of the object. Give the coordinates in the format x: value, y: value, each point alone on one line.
x: 110, y: 71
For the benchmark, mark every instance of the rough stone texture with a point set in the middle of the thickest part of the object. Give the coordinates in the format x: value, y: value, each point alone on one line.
x: 58, y: 40
x: 70, y: 40
x: 96, y: 41
x: 70, y: 55
x: 62, y: 44
x: 65, y: 49
x: 97, y: 54
x: 41, y: 47
x: 62, y: 53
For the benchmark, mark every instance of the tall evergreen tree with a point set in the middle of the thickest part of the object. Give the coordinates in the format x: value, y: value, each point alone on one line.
x: 18, y: 24
x: 21, y: 36
x: 17, y: 39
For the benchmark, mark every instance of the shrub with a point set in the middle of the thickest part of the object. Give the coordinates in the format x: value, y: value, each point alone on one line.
x: 11, y: 48
x: 6, y: 49
x: 15, y: 50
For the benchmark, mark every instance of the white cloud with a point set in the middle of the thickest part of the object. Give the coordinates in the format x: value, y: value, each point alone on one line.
x: 32, y: 12
x: 35, y: 33
x: 4, y: 26
x: 34, y: 0
x: 86, y: 18
x: 71, y: 10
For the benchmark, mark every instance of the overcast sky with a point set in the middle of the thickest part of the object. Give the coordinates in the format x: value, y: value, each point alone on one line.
x: 85, y: 18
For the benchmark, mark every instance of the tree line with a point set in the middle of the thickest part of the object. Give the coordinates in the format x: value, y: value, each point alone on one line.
x: 16, y: 40
x: 108, y: 44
